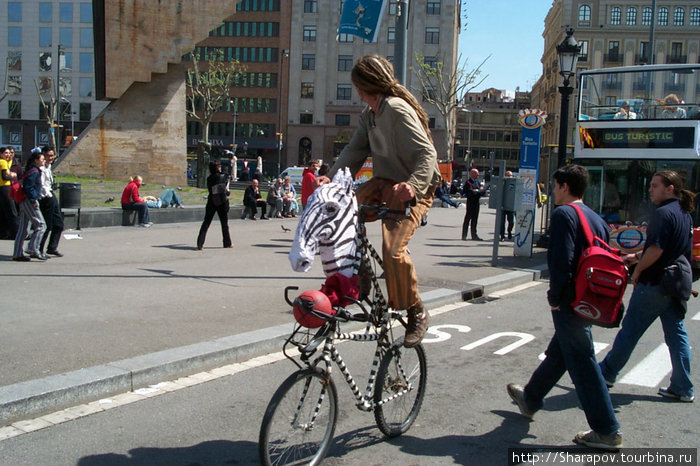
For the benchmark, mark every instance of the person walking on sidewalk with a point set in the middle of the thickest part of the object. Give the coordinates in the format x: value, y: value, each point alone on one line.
x: 669, y: 236
x: 473, y: 190
x: 132, y: 201
x: 217, y: 202
x: 571, y: 347
x: 50, y: 208
x: 393, y: 130
x: 29, y: 210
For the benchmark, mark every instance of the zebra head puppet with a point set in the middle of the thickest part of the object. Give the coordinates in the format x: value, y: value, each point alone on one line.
x: 328, y: 225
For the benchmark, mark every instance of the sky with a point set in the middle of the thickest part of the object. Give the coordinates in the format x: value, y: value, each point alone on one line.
x: 511, y: 32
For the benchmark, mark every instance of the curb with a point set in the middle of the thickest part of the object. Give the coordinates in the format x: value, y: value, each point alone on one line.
x: 32, y: 398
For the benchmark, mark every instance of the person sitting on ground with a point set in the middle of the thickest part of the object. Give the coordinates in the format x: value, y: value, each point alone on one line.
x: 671, y: 108
x: 625, y: 113
x: 131, y: 201
x: 441, y: 193
x: 289, y: 197
x: 274, y: 198
x: 169, y: 198
x: 252, y: 199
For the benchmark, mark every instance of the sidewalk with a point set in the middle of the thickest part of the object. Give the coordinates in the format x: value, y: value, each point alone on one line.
x: 128, y: 307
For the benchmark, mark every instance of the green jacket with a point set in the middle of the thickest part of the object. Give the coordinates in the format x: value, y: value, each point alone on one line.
x: 398, y: 144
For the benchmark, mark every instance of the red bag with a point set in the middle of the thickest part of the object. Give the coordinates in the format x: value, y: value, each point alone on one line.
x: 16, y: 192
x: 600, y: 280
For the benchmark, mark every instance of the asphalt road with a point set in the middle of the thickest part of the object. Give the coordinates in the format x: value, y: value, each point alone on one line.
x: 467, y: 418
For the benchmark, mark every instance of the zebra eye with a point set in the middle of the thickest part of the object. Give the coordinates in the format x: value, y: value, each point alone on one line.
x: 330, y: 208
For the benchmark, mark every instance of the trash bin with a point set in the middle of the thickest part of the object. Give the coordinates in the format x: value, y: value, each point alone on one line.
x: 69, y: 195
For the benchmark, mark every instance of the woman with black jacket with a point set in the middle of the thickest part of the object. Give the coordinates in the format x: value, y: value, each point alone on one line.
x: 217, y: 202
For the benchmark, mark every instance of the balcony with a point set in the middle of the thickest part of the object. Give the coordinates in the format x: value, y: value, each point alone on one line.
x: 612, y: 85
x: 672, y: 59
x: 640, y: 85
x: 640, y: 59
x: 613, y: 57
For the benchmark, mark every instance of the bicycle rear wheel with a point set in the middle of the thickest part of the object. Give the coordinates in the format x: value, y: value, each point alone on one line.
x: 300, y: 420
x: 400, y: 387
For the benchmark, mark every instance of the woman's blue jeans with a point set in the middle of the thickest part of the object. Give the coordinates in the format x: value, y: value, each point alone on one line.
x: 571, y: 349
x: 648, y: 303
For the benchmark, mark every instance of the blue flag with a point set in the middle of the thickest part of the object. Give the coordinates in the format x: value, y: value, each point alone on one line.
x: 362, y: 18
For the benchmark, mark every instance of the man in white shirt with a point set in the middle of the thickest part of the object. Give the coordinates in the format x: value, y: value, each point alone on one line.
x: 625, y: 113
x: 49, y: 207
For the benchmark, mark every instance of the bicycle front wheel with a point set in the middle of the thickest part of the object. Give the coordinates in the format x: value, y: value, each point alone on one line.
x: 300, y: 420
x: 400, y: 387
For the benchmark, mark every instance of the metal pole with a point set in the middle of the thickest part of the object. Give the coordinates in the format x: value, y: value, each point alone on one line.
x: 400, y: 44
x: 58, y: 101
x: 469, y: 137
x: 499, y: 208
x: 279, y: 110
x: 651, y: 33
x: 566, y: 92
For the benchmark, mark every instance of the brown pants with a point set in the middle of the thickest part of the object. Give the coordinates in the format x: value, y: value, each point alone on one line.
x: 399, y: 273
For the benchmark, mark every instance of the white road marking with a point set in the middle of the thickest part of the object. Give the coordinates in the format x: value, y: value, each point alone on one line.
x: 597, y: 348
x: 523, y: 338
x: 515, y: 289
x: 696, y: 316
x: 444, y: 336
x: 651, y: 370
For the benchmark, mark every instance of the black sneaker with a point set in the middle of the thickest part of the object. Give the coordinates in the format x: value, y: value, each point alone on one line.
x: 21, y: 259
x: 54, y: 252
x: 666, y: 392
x: 38, y: 255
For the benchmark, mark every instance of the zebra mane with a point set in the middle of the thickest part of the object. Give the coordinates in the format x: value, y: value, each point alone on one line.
x: 328, y: 225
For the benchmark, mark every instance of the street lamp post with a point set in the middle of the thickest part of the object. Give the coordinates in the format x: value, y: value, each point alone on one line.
x: 568, y: 52
x: 469, y: 132
x: 58, y: 99
x: 285, y: 53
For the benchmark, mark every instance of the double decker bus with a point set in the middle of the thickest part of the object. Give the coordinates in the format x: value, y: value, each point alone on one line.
x: 632, y: 122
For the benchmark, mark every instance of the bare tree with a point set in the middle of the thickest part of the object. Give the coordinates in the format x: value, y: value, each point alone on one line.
x: 445, y: 88
x: 49, y: 105
x: 209, y: 83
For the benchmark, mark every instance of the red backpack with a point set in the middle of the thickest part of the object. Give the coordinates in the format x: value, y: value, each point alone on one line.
x: 600, y: 280
x: 17, y: 189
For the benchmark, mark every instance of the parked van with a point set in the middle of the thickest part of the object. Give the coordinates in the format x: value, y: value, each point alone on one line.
x: 295, y: 174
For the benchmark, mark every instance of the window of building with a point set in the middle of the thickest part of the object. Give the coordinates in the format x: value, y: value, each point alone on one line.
x: 44, y: 37
x: 14, y: 109
x: 342, y: 120
x: 584, y: 15
x: 430, y: 61
x: 677, y: 52
x: 309, y: 34
x: 614, y: 50
x: 85, y: 87
x: 14, y: 85
x: 14, y: 36
x: 344, y: 62
x: 432, y: 35
x: 428, y: 93
x: 65, y: 37
x: 86, y: 37
x: 663, y: 16
x: 65, y: 12
x: 307, y: 90
x: 392, y: 7
x: 14, y: 60
x: 45, y: 12
x: 86, y: 12
x: 344, y: 37
x: 14, y: 12
x: 644, y: 51
x: 646, y: 16
x: 306, y: 118
x: 431, y: 122
x: 308, y: 61
x: 45, y: 61
x: 258, y: 5
x: 583, y: 56
x: 432, y: 7
x: 66, y: 61
x: 678, y: 16
x: 344, y: 92
x: 631, y: 15
x: 391, y: 35
x: 66, y: 85
x: 310, y: 6
x: 85, y: 112
x: 615, y: 15
x: 86, y: 63
x: 695, y: 17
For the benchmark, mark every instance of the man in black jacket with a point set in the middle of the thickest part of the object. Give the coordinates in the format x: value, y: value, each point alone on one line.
x: 252, y: 199
x: 473, y: 190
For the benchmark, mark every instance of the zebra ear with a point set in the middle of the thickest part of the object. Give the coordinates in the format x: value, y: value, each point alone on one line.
x: 343, y: 178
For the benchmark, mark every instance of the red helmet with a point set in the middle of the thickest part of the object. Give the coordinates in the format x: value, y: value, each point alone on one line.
x: 308, y: 300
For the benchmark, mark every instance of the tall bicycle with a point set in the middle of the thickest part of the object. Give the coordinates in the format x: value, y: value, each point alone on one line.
x: 300, y: 420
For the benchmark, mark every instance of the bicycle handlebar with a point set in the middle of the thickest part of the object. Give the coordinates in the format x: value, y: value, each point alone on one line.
x: 383, y: 211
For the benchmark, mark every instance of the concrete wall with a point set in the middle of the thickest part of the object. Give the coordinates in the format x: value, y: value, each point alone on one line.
x: 142, y: 133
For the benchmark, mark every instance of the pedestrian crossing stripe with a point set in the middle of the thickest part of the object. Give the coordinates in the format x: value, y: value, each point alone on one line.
x: 651, y: 370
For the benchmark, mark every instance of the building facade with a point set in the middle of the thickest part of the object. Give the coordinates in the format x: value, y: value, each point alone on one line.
x: 46, y: 42
x: 488, y: 123
x: 612, y: 33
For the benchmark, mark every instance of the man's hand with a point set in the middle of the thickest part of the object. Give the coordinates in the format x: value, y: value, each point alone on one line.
x: 404, y: 191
